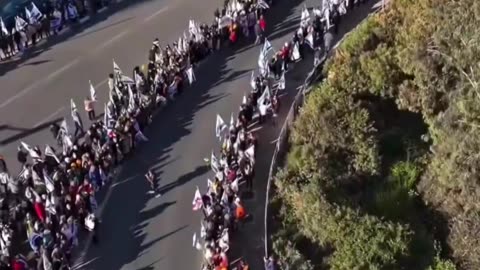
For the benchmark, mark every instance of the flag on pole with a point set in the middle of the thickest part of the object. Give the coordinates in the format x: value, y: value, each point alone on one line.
x: 265, y: 97
x: 250, y: 153
x: 194, y: 239
x: 234, y: 185
x: 93, y: 93
x: 131, y: 100
x: 295, y: 52
x: 30, y: 150
x: 190, y: 75
x: 64, y: 127
x: 262, y: 4
x: 48, y: 181
x: 3, y: 27
x: 244, y: 100
x: 20, y: 23
x: 214, y: 164
x: 28, y: 15
x: 118, y: 75
x: 197, y: 202
x: 219, y: 126
x: 118, y: 92
x: 75, y: 115
x: 36, y: 13
x: 309, y: 40
x: 262, y: 63
x: 252, y: 81
x: 232, y: 122
x: 50, y: 153
x: 203, y: 231
x: 305, y: 17
x: 209, y: 183
x: 267, y: 46
x: 281, y: 82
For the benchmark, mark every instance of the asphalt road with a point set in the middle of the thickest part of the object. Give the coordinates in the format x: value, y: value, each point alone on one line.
x: 139, y: 231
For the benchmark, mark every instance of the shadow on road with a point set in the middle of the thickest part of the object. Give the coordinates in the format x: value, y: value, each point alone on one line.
x: 72, y: 31
x: 124, y: 220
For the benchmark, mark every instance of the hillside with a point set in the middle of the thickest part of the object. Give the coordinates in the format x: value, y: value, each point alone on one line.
x: 384, y: 163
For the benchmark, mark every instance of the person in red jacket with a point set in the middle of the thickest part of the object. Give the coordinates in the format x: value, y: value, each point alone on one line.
x: 285, y: 54
x: 262, y: 23
x: 39, y: 209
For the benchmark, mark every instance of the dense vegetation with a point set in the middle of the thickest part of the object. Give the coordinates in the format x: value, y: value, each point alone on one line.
x: 384, y: 161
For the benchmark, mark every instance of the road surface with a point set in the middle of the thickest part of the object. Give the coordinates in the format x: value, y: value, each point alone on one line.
x: 138, y: 231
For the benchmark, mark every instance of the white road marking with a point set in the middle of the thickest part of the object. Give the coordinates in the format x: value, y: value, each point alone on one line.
x: 155, y: 14
x: 88, y: 241
x: 112, y: 40
x: 100, y: 83
x: 38, y: 83
x: 48, y: 118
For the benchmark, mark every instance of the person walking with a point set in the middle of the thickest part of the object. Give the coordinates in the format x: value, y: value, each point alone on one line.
x: 89, y: 108
x: 153, y: 184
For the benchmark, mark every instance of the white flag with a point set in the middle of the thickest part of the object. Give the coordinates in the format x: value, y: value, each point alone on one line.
x: 73, y: 107
x: 50, y: 153
x: 20, y: 23
x: 214, y: 164
x: 36, y: 12
x: 317, y: 12
x: 190, y: 75
x: 252, y: 80
x: 295, y: 52
x: 234, y: 185
x: 305, y: 18
x: 309, y: 40
x: 203, y: 232
x: 28, y: 15
x: 75, y: 115
x: 4, y: 28
x: 64, y: 127
x: 93, y: 93
x: 194, y: 239
x: 48, y: 181
x: 219, y: 126
x: 116, y: 69
x: 281, y: 82
x: 131, y: 100
x: 262, y: 63
x: 250, y: 153
x: 118, y: 75
x: 244, y: 100
x: 197, y: 202
x: 267, y: 46
x: 209, y: 183
x: 262, y: 4
x: 232, y: 122
x: 30, y: 150
x: 265, y: 97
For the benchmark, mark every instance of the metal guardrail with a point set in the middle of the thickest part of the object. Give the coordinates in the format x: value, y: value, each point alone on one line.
x: 282, y: 140
x: 280, y: 146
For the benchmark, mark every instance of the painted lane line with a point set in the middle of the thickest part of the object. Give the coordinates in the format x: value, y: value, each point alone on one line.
x: 112, y: 40
x: 155, y: 14
x: 30, y: 88
x: 49, y: 117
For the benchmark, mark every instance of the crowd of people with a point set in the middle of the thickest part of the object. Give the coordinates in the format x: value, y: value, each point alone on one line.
x: 33, y: 24
x: 223, y: 209
x: 53, y: 199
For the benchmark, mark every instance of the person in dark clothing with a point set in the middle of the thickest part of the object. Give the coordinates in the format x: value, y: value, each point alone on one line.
x: 18, y: 40
x: 153, y: 184
x: 21, y: 156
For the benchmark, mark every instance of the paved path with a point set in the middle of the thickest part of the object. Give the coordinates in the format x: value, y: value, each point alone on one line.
x: 138, y: 231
